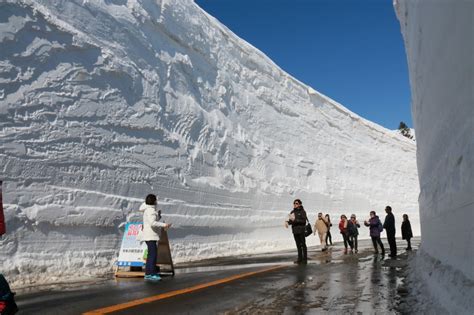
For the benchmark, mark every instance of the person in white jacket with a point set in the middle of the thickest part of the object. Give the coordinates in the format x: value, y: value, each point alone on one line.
x: 151, y: 235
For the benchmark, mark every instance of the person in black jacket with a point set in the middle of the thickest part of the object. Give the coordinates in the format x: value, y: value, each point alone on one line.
x: 328, y: 235
x: 354, y: 232
x: 297, y: 219
x: 389, y: 226
x: 406, y: 231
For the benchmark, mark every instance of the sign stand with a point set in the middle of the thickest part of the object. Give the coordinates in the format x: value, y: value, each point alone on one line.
x: 134, y: 268
x: 164, y: 254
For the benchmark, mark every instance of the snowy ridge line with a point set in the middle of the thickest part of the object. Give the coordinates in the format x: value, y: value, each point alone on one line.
x: 244, y: 210
x: 95, y: 192
x: 213, y: 216
x: 310, y: 91
x: 253, y: 218
x: 277, y: 215
x: 158, y: 184
x: 371, y: 125
x: 328, y: 101
x: 101, y: 208
x: 355, y: 117
x: 166, y: 201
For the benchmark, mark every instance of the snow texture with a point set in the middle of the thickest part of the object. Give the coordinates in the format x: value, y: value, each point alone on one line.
x: 439, y: 40
x: 103, y: 102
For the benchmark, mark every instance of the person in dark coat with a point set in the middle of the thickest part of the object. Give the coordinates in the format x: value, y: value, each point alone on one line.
x: 297, y: 219
x: 375, y: 228
x: 389, y: 226
x: 354, y: 232
x: 406, y: 231
x: 328, y: 235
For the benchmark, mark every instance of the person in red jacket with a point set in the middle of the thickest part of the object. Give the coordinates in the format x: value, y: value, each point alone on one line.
x: 343, y: 229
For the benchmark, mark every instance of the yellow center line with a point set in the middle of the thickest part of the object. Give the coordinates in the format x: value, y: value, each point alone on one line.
x: 123, y: 306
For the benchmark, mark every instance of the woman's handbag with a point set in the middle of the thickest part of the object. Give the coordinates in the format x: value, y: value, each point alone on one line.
x: 308, y: 230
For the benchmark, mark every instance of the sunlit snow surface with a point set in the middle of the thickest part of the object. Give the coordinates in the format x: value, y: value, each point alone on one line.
x: 102, y: 102
x: 439, y: 43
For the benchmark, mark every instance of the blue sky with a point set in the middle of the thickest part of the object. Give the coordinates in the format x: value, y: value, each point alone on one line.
x: 349, y: 50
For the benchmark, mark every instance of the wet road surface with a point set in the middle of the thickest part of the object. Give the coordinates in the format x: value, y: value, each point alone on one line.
x: 332, y: 282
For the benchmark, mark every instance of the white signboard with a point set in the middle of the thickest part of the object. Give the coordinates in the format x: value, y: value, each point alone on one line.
x: 132, y: 252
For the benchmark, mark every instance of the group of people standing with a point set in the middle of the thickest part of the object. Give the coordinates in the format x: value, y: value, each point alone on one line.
x: 350, y: 232
x: 348, y: 228
x: 299, y: 222
x: 376, y: 227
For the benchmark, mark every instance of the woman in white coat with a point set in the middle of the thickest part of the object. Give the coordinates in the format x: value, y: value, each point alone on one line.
x: 151, y: 235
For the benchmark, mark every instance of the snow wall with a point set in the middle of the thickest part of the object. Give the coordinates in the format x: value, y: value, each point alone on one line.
x: 103, y: 102
x: 439, y: 40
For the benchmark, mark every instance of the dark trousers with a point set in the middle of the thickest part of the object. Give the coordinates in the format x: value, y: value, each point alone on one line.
x: 353, y: 239
x: 328, y: 237
x: 150, y: 268
x: 392, y: 243
x: 347, y: 241
x: 409, y: 244
x: 376, y: 240
x: 300, y: 240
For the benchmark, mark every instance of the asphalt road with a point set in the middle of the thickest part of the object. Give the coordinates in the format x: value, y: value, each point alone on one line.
x: 332, y: 282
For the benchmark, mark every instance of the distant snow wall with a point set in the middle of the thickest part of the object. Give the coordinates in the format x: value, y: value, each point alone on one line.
x: 103, y: 102
x: 439, y: 40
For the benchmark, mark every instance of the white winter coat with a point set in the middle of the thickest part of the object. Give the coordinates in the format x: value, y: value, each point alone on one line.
x: 151, y: 224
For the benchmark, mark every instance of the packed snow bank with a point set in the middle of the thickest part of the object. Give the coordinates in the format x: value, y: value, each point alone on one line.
x: 102, y: 102
x: 439, y: 43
